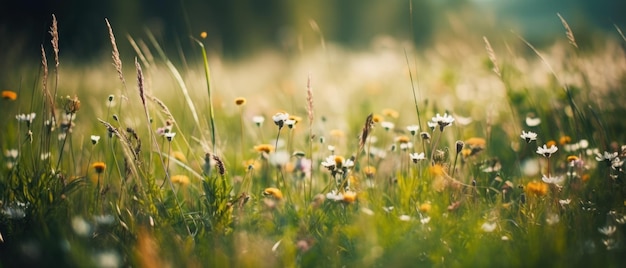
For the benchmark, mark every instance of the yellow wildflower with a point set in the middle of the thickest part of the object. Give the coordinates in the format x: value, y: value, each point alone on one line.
x: 273, y: 192
x: 9, y: 95
x: 264, y: 148
x: 99, y: 167
x: 390, y: 113
x: 565, y: 140
x: 180, y: 179
x: 536, y: 188
x: 425, y: 207
x: 349, y: 197
x: 179, y: 156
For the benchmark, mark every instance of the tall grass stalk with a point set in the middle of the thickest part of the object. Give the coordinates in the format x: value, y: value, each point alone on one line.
x: 207, y: 75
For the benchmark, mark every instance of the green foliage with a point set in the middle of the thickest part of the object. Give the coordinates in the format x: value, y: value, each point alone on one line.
x: 163, y: 187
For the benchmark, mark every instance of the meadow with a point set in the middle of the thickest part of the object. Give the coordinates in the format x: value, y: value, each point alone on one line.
x: 479, y: 151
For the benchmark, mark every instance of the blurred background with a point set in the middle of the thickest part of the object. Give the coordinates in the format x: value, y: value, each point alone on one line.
x: 240, y: 28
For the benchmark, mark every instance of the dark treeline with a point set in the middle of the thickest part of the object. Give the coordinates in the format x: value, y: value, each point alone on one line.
x: 240, y: 27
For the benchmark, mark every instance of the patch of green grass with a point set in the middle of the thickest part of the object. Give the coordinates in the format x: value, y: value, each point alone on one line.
x: 182, y: 176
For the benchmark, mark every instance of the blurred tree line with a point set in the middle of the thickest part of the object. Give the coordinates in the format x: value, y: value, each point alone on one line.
x: 239, y: 27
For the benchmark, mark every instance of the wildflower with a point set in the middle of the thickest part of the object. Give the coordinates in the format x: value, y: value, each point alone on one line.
x: 390, y: 113
x: 557, y: 180
x: 443, y: 121
x: 532, y: 121
x: 169, y: 135
x: 179, y: 156
x: 552, y: 218
x: 425, y: 207
x: 264, y: 148
x: 529, y: 136
x: 280, y: 158
x: 95, y: 139
x: 240, y: 101
x: 279, y: 119
x: 488, y: 226
x: 425, y: 220
x: 617, y: 164
x: 99, y: 167
x: 565, y: 140
x: 81, y: 226
x: 290, y: 123
x: 28, y: 118
x: 413, y: 129
x: 349, y: 197
x: 9, y: 95
x: 258, y: 120
x: 416, y: 157
x: 387, y: 125
x: 335, y: 196
x: 545, y: 151
x: 377, y: 118
x: 11, y: 154
x: 476, y: 142
x: 273, y: 192
x: 335, y: 161
x: 180, y: 179
x: 369, y: 171
x: 608, y: 157
x: 203, y: 35
x: 431, y: 125
x: 71, y: 105
x: 403, y: 139
x: 425, y: 136
x: 536, y: 188
x: 564, y: 202
x: 405, y: 146
x: 436, y: 170
x: 572, y: 158
x: 459, y: 146
x: 607, y: 230
x: 404, y: 217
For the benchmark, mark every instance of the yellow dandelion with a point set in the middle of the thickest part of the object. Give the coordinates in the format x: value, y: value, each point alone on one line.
x: 466, y: 152
x: 565, y: 140
x: 377, y: 118
x: 339, y: 160
x: 369, y: 171
x: 180, y: 179
x: 425, y: 207
x: 572, y: 158
x: 273, y: 192
x: 349, y: 197
x: 9, y: 95
x: 240, y: 101
x: 550, y: 143
x: 99, y: 167
x: 264, y: 148
x: 252, y: 164
x: 179, y: 156
x: 436, y: 170
x: 203, y: 35
x: 403, y: 139
x: 536, y: 188
x: 476, y: 142
x: 390, y: 113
